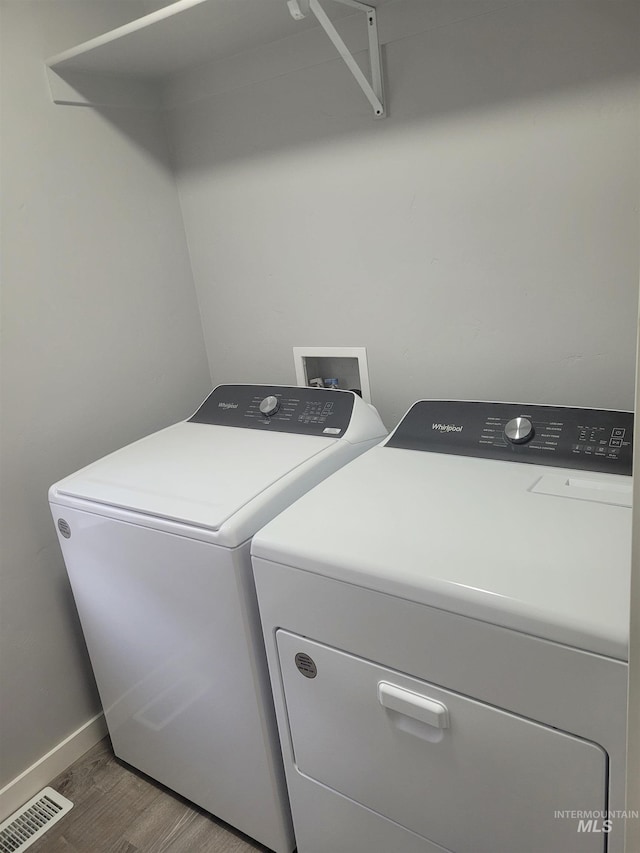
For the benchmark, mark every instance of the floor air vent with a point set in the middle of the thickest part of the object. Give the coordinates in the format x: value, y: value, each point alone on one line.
x: 25, y: 826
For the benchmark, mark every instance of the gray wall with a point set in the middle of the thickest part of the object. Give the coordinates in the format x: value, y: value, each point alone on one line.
x: 101, y: 343
x: 481, y: 242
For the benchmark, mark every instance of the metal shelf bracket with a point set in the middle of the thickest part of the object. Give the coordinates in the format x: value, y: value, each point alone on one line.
x: 373, y: 91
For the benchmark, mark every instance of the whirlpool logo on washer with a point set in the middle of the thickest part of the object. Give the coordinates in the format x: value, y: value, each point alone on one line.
x: 447, y: 427
x: 227, y: 405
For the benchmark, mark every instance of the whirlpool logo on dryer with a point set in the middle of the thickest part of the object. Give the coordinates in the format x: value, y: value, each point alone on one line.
x: 227, y: 405
x: 446, y: 427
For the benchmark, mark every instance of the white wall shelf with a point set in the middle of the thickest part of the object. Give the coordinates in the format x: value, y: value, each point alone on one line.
x: 129, y: 66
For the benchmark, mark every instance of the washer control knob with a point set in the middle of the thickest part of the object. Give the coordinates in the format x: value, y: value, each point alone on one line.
x: 269, y: 406
x: 519, y: 430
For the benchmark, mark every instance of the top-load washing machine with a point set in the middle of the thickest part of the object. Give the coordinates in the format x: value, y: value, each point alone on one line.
x: 446, y: 624
x: 156, y: 541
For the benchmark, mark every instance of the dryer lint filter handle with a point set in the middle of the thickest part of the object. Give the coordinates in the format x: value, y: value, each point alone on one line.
x: 614, y: 493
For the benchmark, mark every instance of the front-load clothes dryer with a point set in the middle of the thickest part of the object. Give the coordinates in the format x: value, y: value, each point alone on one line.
x: 156, y: 542
x: 446, y: 624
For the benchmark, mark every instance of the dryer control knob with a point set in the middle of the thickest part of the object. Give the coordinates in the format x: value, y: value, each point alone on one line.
x: 269, y: 406
x: 519, y: 430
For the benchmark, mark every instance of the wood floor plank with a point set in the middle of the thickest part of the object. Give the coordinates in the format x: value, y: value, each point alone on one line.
x: 94, y: 769
x: 118, y: 810
x: 110, y: 815
x: 199, y: 837
x: 124, y: 847
x: 161, y: 821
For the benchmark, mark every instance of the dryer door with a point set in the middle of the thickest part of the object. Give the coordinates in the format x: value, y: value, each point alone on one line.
x: 463, y: 774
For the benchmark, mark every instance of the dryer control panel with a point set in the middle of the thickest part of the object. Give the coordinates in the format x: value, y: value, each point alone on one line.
x: 308, y: 411
x: 563, y: 437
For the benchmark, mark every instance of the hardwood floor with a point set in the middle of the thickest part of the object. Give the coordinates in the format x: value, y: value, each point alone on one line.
x: 117, y: 810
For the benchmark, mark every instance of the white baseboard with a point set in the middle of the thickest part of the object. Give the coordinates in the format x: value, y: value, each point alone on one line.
x: 40, y: 774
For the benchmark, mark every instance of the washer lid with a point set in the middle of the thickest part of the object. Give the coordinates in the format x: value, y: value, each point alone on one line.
x: 199, y: 474
x: 545, y: 551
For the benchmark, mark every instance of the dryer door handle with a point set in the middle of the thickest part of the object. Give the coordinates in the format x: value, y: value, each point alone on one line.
x: 413, y: 705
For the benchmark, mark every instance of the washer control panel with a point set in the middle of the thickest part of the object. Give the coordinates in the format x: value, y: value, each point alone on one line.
x: 563, y: 437
x: 308, y: 411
